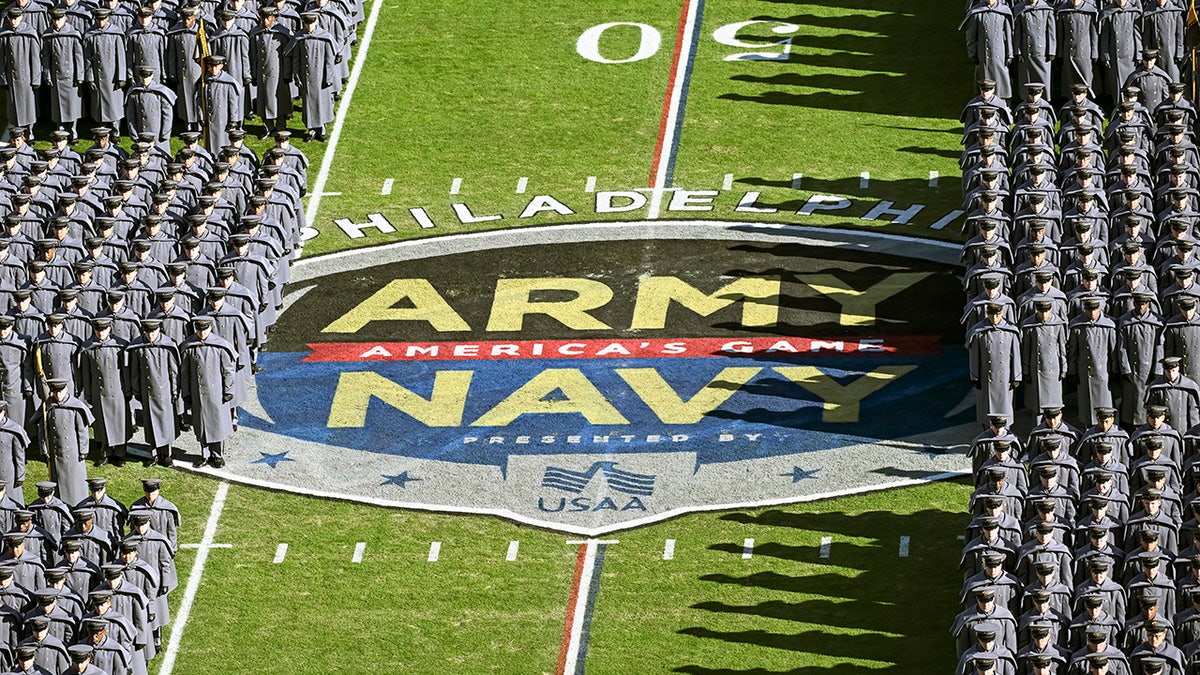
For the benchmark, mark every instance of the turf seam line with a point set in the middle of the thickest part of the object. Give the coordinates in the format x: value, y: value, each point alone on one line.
x: 577, y: 611
x: 193, y: 583
x: 589, y: 609
x: 359, y: 549
x: 572, y: 598
x: 314, y: 200
x: 687, y: 37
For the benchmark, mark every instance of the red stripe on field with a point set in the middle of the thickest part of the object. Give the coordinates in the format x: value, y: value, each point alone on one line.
x: 572, y: 600
x: 495, y: 350
x: 666, y: 110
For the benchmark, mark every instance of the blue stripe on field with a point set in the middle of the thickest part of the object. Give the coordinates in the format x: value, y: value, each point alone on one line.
x: 683, y: 95
x: 593, y: 590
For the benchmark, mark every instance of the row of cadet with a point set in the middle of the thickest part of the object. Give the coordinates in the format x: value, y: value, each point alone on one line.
x: 84, y: 588
x: 1017, y: 170
x: 1075, y: 563
x: 1046, y: 314
x: 1102, y: 45
x: 142, y: 66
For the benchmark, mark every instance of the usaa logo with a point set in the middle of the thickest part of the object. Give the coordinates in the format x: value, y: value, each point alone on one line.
x: 635, y: 485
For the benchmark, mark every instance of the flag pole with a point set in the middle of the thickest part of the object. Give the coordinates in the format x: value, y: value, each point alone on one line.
x: 202, y: 44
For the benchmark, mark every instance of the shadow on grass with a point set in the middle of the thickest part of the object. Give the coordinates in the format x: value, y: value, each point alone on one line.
x: 861, y: 606
x: 880, y: 64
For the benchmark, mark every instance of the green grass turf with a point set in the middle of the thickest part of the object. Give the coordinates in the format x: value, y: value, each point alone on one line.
x: 864, y: 608
x: 490, y: 97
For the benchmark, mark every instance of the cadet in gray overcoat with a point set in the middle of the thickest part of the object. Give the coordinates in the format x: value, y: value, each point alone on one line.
x: 1035, y: 40
x: 104, y: 51
x: 989, y: 32
x: 1044, y: 356
x: 1181, y: 337
x: 183, y: 73
x: 1091, y: 343
x: 271, y: 71
x: 154, y: 381
x: 315, y: 57
x: 1120, y: 42
x: 1162, y: 29
x: 14, y: 443
x: 1139, y: 349
x: 1079, y: 43
x: 20, y: 68
x: 150, y: 108
x: 207, y: 382
x: 220, y: 99
x: 995, y: 363
x: 102, y: 386
x: 64, y: 422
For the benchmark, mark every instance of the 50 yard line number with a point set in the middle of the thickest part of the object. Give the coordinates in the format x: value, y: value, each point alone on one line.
x: 588, y: 44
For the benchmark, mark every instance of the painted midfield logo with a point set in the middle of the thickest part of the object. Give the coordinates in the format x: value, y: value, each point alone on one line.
x: 631, y: 483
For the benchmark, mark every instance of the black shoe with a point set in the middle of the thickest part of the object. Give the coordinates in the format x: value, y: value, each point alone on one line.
x: 149, y: 461
x: 166, y: 460
x: 199, y: 463
x: 321, y: 136
x: 309, y: 135
x: 118, y: 462
x: 256, y: 369
x: 102, y: 461
x: 216, y: 462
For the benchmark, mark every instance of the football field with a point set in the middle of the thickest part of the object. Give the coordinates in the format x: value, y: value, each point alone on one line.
x: 673, y: 118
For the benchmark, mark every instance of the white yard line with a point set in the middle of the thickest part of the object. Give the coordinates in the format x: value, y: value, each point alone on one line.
x: 669, y: 550
x: 826, y: 542
x: 747, y: 548
x: 513, y: 547
x: 360, y: 58
x: 359, y: 549
x: 387, y: 186
x: 193, y: 583
x: 904, y: 542
x: 590, y: 184
x: 280, y: 553
x: 435, y: 549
